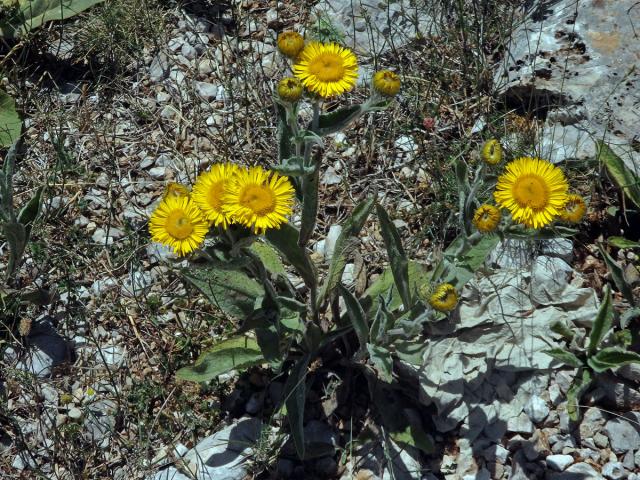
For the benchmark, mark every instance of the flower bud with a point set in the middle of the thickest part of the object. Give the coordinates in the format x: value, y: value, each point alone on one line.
x: 290, y: 44
x: 386, y: 82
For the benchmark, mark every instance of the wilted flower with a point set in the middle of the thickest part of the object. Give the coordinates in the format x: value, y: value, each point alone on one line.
x: 492, y: 152
x: 574, y: 209
x: 290, y: 89
x: 429, y: 123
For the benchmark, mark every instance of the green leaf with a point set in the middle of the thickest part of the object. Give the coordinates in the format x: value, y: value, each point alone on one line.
x: 612, y: 357
x: 602, y: 323
x: 564, y: 356
x: 629, y: 315
x: 345, y: 244
x: 36, y: 12
x: 285, y: 239
x: 237, y: 353
x: 397, y: 257
x: 414, y: 436
x: 269, y: 343
x: 579, y: 386
x: 382, y: 361
x: 293, y: 167
x: 337, y: 120
x: 459, y: 271
x: 382, y: 321
x: 16, y: 236
x: 418, y: 276
x: 285, y: 145
x: 618, y: 275
x: 356, y: 315
x: 10, y: 123
x: 295, y: 394
x: 561, y: 329
x: 269, y: 257
x: 626, y: 180
x: 462, y: 175
x: 621, y: 242
x: 232, y: 291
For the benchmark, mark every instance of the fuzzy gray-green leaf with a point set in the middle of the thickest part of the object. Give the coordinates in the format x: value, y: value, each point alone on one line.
x: 612, y: 357
x: 618, y: 275
x: 397, y: 257
x: 237, y: 353
x: 295, y: 394
x: 580, y: 384
x: 336, y: 121
x: 564, y: 356
x: 356, y: 315
x: 232, y: 291
x: 285, y: 239
x: 382, y: 361
x: 10, y: 123
x: 626, y: 180
x: 602, y: 323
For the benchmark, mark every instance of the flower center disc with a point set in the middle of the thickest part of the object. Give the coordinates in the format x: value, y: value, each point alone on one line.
x: 178, y: 225
x: 259, y: 199
x: 214, y: 195
x: 530, y: 191
x: 327, y: 67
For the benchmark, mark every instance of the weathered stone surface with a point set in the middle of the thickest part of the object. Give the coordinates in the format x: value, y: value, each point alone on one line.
x: 377, y: 26
x: 572, y: 61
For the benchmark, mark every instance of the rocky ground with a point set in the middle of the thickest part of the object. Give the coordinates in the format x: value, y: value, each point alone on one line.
x: 89, y: 388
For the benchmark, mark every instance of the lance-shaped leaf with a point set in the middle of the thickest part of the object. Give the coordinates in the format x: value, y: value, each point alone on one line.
x: 618, y: 275
x: 603, y: 322
x: 629, y: 315
x: 293, y: 167
x: 612, y: 357
x: 459, y: 271
x: 285, y: 239
x: 232, y: 291
x: 621, y: 242
x: 10, y: 123
x: 269, y: 257
x: 295, y: 395
x: 356, y: 315
x: 345, y: 243
x: 337, y: 120
x: 580, y: 384
x: 382, y: 361
x: 237, y: 353
x: 627, y: 181
x: 16, y: 236
x: 397, y: 257
x: 418, y: 276
x: 285, y: 145
x: 382, y: 321
x: 564, y: 356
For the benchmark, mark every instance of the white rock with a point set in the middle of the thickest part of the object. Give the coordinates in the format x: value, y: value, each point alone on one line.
x: 613, y: 470
x: 536, y: 408
x: 330, y: 177
x: 74, y: 413
x: 208, y: 91
x: 158, y: 173
x: 520, y: 424
x: 330, y: 241
x: 170, y: 473
x: 559, y: 462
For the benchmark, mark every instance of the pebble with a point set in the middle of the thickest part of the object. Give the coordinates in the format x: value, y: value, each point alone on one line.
x: 520, y: 424
x: 208, y: 91
x: 74, y: 413
x: 536, y: 408
x: 559, y: 462
x: 613, y: 470
x: 623, y: 436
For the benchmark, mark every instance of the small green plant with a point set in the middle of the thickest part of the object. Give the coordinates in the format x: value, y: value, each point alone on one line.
x: 21, y: 16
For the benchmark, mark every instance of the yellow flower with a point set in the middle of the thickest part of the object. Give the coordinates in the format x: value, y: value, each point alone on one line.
x: 326, y: 68
x: 259, y: 199
x: 290, y: 43
x: 290, y: 89
x: 533, y: 190
x: 178, y: 223
x: 492, y: 152
x: 174, y: 189
x: 209, y: 190
x: 444, y: 298
x: 486, y: 218
x: 574, y: 209
x: 386, y: 82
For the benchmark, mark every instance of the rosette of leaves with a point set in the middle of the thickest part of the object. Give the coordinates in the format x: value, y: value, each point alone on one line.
x: 607, y: 349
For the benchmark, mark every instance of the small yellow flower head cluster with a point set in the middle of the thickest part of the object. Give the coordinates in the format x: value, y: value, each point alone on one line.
x: 492, y: 152
x: 290, y: 89
x: 444, y: 298
x: 487, y: 218
x: 226, y: 194
x: 533, y: 190
x: 290, y: 44
x: 386, y: 83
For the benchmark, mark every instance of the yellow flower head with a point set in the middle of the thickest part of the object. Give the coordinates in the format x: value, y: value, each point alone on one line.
x: 174, y: 189
x: 533, y: 190
x: 259, y: 199
x: 386, y: 82
x: 326, y: 68
x: 444, y: 298
x: 290, y: 44
x: 209, y: 190
x: 574, y: 209
x: 290, y: 89
x: 486, y: 218
x: 178, y: 223
x: 492, y: 152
